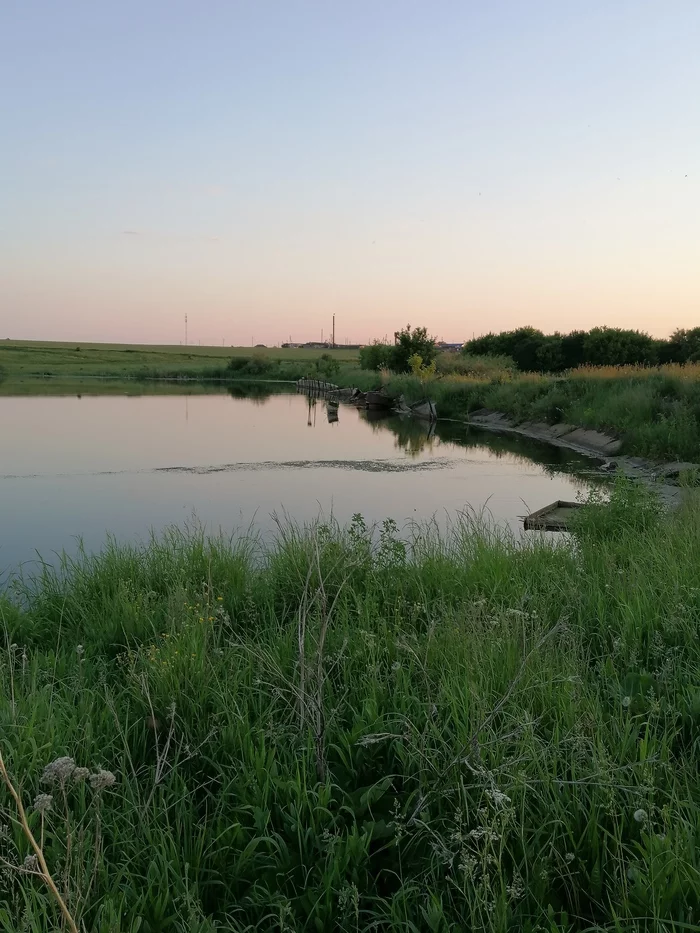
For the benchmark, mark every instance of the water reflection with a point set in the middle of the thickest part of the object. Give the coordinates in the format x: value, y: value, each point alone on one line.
x: 89, y: 462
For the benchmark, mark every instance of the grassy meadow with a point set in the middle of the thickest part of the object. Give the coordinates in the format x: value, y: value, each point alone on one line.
x: 343, y: 732
x: 44, y: 358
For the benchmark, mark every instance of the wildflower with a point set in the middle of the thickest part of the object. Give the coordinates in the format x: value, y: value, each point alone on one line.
x: 42, y: 803
x: 79, y: 650
x: 483, y: 833
x: 102, y: 779
x: 58, y: 771
x: 569, y: 857
x: 80, y: 774
x: 640, y: 816
x: 219, y: 599
x: 499, y: 799
x: 626, y: 701
x: 31, y: 863
x: 516, y: 888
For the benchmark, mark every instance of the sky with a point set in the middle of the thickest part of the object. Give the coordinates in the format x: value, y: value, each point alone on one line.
x: 260, y: 166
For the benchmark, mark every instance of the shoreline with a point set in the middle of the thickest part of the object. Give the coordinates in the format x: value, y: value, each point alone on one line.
x: 593, y: 444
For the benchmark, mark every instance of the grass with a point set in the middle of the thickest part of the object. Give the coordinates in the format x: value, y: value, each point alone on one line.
x: 656, y: 411
x: 23, y: 358
x: 340, y: 732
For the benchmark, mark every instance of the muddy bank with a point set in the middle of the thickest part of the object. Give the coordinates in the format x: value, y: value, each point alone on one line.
x: 665, y: 478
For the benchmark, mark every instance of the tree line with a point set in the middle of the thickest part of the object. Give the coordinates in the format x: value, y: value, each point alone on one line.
x: 534, y: 351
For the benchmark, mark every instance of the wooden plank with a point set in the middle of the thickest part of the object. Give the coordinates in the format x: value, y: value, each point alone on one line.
x: 553, y: 517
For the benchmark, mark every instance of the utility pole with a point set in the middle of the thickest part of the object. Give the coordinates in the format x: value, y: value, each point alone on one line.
x: 333, y: 343
x: 185, y: 330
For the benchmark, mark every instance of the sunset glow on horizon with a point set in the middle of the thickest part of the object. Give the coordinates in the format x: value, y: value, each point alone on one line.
x: 261, y: 167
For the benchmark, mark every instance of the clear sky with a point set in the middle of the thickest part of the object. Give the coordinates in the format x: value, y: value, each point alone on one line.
x: 262, y: 165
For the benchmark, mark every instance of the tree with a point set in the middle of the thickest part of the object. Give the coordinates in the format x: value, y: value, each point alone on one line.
x: 419, y: 369
x: 684, y: 345
x: 408, y: 343
x: 613, y: 346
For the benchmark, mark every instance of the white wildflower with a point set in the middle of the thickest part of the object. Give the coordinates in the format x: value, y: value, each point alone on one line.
x: 102, y: 779
x: 640, y: 816
x: 58, y: 771
x: 498, y: 798
x: 42, y: 803
x: 31, y: 863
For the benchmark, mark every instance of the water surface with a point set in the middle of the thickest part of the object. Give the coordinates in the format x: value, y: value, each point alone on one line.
x: 80, y: 466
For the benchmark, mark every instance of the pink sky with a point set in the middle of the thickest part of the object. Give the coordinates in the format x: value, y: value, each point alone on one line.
x: 465, y: 167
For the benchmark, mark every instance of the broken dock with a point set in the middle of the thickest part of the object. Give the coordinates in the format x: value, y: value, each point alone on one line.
x: 553, y: 517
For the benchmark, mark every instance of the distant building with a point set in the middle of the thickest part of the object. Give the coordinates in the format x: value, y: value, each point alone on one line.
x: 318, y: 345
x: 449, y: 347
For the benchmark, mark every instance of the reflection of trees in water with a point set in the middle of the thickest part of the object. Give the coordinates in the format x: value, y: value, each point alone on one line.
x: 256, y: 392
x: 411, y: 436
x: 414, y: 436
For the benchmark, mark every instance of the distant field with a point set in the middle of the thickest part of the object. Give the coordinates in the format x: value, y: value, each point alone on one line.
x: 28, y: 357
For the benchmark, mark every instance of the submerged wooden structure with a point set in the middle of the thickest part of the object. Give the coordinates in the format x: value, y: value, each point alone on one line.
x: 317, y: 387
x: 425, y: 410
x: 379, y: 400
x: 553, y: 517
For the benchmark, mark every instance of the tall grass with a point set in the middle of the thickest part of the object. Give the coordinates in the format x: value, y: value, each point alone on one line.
x: 346, y: 732
x: 656, y: 411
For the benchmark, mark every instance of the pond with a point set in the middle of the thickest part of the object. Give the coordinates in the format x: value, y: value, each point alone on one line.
x: 77, y: 467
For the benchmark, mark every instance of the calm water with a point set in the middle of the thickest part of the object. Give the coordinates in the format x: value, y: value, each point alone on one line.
x: 76, y: 467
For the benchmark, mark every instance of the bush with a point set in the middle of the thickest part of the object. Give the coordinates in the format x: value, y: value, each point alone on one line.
x: 478, y: 367
x: 327, y: 366
x: 256, y: 365
x: 396, y: 357
x: 410, y: 343
x: 375, y: 356
x: 534, y: 351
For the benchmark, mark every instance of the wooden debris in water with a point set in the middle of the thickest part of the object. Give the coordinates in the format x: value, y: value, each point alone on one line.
x: 553, y: 517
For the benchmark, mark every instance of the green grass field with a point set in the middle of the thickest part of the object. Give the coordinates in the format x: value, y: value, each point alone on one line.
x: 25, y: 358
x: 342, y: 734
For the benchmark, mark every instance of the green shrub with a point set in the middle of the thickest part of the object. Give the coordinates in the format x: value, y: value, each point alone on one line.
x: 375, y: 356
